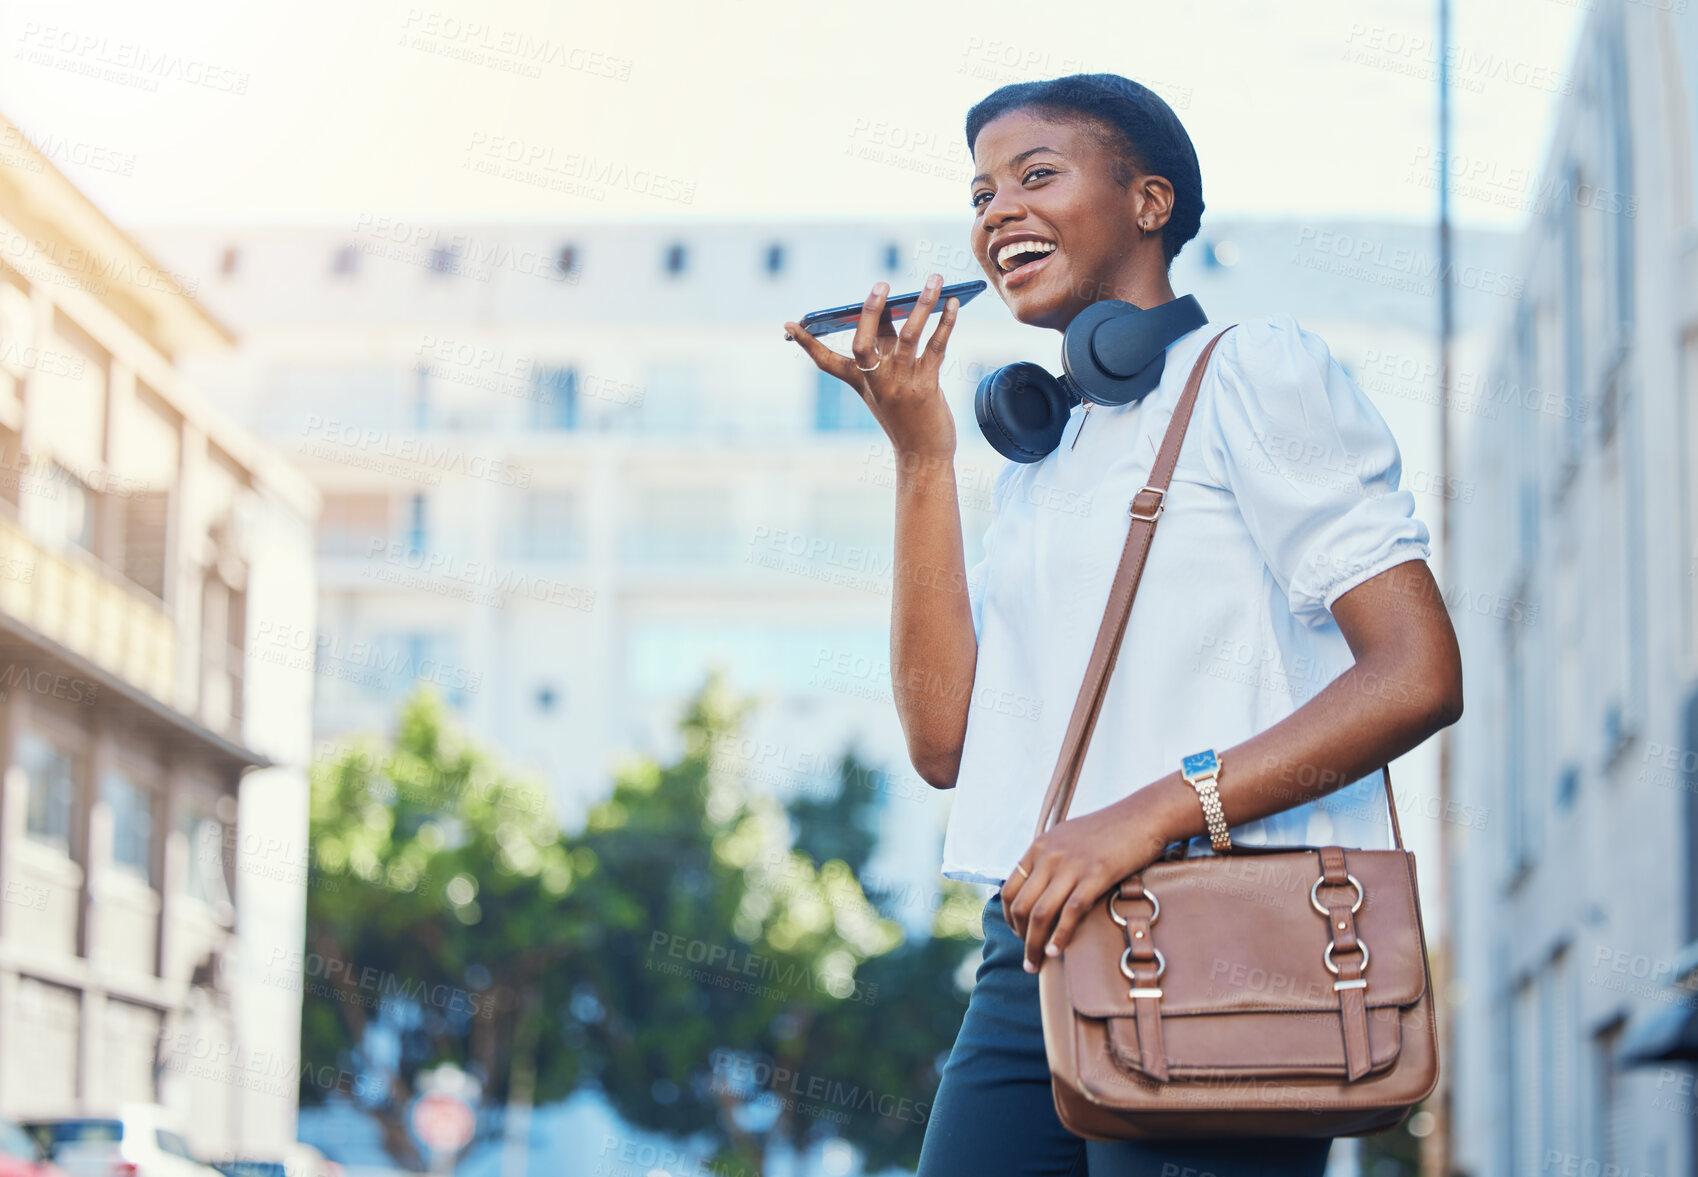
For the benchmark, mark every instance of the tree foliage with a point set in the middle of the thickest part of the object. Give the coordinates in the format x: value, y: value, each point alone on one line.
x: 700, y: 954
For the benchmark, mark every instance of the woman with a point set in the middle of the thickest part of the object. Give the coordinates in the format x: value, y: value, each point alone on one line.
x: 1286, y: 616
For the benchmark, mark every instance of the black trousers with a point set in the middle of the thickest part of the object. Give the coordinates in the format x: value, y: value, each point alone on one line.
x: 994, y: 1113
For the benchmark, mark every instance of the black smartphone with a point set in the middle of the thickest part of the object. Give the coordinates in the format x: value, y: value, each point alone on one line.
x: 843, y: 318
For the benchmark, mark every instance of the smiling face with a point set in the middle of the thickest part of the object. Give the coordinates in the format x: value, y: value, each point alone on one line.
x: 1052, y: 229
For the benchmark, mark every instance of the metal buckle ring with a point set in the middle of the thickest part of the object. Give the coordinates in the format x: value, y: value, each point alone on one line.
x: 1161, y: 502
x: 1354, y: 907
x: 1161, y: 963
x: 1148, y: 894
x: 1326, y: 957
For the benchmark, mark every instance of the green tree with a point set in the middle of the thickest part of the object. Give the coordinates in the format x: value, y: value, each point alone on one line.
x: 705, y: 959
x: 843, y: 826
x: 438, y: 920
x: 747, y: 990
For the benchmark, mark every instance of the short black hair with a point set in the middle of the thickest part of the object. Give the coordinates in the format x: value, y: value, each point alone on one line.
x: 1132, y: 122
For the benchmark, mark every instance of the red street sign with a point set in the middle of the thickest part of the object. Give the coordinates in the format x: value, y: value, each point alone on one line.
x: 443, y: 1122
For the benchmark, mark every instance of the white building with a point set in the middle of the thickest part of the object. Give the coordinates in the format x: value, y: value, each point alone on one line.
x: 1574, y: 907
x: 153, y: 805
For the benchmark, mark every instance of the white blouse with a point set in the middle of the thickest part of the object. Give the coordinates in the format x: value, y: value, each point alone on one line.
x: 1285, y: 496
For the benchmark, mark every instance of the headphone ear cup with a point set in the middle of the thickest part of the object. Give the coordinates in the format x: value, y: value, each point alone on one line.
x: 1022, y: 410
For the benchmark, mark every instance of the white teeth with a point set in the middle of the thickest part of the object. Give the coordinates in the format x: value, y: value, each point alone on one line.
x: 1019, y: 247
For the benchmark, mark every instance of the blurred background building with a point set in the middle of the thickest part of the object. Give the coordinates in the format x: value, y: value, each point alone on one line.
x: 1573, y: 911
x: 152, y: 815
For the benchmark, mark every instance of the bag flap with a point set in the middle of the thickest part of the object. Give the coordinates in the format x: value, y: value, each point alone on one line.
x: 1239, y: 935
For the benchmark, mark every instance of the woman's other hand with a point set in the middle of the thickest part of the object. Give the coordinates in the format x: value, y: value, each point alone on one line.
x: 1075, y: 862
x: 902, y: 390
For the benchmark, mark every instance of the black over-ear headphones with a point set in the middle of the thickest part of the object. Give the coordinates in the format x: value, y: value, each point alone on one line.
x: 1112, y: 353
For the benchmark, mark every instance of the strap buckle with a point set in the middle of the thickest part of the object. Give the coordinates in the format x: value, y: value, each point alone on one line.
x: 1138, y: 990
x: 1332, y: 967
x: 1120, y: 893
x: 1352, y: 880
x: 1161, y: 496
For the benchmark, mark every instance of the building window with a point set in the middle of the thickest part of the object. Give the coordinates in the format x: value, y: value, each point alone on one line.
x: 892, y: 257
x: 677, y: 258
x: 1524, y: 1072
x: 547, y: 526
x: 1620, y: 135
x: 1553, y: 1069
x: 52, y: 790
x: 1520, y: 818
x: 228, y: 264
x: 205, y: 837
x: 775, y: 259
x: 67, y: 509
x: 566, y: 261
x: 839, y: 408
x: 132, y: 825
x: 1573, y: 316
x: 11, y: 459
x: 421, y: 397
x: 444, y: 259
x: 401, y: 662
x: 853, y: 516
x: 676, y: 524
x: 146, y: 518
x: 1505, y: 1067
x: 353, y: 525
x: 1525, y: 379
x: 672, y: 400
x: 223, y: 638
x: 1684, y: 779
x: 1611, y: 1140
x: 1620, y: 547
x: 1688, y: 414
x: 346, y: 261
x: 554, y: 401
x: 416, y: 526
x: 433, y: 661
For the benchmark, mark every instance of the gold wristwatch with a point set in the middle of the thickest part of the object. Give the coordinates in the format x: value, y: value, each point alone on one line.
x: 1201, y: 770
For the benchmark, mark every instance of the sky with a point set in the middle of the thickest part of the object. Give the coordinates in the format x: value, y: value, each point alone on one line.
x: 522, y: 110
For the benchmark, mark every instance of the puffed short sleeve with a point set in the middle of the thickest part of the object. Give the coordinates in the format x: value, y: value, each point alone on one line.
x: 979, y: 574
x: 1311, y: 462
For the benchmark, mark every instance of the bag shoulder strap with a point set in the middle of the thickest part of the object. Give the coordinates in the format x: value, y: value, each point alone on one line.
x: 1146, y: 507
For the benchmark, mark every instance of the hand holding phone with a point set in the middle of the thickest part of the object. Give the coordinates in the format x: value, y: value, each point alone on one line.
x: 893, y: 372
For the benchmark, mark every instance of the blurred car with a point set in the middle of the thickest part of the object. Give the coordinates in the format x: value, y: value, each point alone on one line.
x: 142, y: 1140
x: 22, y: 1156
x: 292, y: 1160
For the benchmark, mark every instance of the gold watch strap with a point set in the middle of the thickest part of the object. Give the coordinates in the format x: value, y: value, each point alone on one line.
x: 1213, y: 815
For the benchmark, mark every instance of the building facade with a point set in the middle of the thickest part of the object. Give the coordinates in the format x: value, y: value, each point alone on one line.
x: 1572, y: 908
x: 153, y: 798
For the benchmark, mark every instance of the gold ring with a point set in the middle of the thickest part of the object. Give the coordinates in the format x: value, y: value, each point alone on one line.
x: 877, y: 353
x: 1022, y: 870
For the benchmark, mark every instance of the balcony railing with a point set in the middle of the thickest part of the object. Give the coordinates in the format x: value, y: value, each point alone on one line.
x: 114, y: 625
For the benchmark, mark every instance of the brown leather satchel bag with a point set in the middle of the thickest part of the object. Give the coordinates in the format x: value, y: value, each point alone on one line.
x: 1233, y: 995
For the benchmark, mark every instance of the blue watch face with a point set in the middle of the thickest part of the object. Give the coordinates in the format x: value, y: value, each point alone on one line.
x: 1199, y: 763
